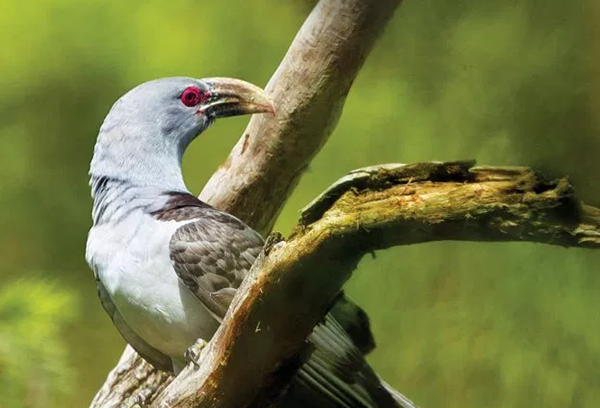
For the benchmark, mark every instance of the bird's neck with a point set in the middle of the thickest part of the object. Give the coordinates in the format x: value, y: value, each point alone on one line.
x: 116, y: 199
x: 120, y: 154
x: 127, y: 175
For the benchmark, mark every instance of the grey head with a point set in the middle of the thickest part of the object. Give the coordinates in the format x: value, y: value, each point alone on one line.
x: 146, y: 132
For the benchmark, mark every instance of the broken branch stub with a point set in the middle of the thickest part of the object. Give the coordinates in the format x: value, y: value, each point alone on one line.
x: 423, y: 202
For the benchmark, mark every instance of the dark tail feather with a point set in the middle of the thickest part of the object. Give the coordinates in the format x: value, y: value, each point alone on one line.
x: 400, y: 399
x: 355, y: 322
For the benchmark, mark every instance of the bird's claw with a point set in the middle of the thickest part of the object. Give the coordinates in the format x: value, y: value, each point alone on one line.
x: 272, y: 240
x: 192, y: 354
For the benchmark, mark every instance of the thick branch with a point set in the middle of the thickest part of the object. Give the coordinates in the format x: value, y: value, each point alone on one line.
x: 309, y: 89
x: 410, y: 204
x: 370, y: 209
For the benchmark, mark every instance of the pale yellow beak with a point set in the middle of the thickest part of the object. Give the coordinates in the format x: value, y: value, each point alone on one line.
x: 233, y: 97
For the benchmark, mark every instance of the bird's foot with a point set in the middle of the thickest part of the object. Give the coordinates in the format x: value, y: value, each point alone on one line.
x: 192, y: 354
x: 272, y: 241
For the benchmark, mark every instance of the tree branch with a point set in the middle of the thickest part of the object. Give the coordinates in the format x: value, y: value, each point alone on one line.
x: 399, y: 204
x: 309, y: 89
x: 370, y: 209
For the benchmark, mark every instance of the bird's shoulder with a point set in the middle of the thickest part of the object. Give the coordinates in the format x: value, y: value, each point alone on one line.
x: 199, y: 222
x: 181, y: 206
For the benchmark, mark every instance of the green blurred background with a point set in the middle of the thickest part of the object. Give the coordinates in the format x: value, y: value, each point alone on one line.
x: 458, y: 324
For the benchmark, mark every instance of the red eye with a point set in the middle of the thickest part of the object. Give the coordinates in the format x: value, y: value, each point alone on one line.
x: 192, y: 96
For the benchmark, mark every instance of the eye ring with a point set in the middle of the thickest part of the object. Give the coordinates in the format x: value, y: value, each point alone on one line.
x: 193, y: 96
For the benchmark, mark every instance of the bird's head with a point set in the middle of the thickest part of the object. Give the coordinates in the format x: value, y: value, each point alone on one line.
x: 147, y: 130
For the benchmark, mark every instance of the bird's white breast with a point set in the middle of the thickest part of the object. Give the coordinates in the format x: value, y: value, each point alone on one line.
x: 131, y: 258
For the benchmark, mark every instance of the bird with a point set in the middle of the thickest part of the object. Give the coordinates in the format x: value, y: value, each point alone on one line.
x: 167, y: 265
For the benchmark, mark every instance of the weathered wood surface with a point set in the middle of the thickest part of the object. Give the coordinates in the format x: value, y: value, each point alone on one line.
x: 401, y: 204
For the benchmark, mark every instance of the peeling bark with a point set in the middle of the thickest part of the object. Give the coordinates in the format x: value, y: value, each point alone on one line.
x: 132, y: 383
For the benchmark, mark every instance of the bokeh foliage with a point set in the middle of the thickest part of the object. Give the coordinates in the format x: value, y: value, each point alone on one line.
x: 34, y: 365
x: 458, y: 324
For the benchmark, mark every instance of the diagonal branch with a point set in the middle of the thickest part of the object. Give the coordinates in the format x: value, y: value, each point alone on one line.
x: 370, y: 209
x: 309, y: 89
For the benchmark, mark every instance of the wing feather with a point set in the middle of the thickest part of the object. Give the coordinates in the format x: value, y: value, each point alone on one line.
x: 212, y: 255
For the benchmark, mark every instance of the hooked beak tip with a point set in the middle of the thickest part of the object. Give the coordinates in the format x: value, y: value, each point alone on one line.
x: 270, y: 109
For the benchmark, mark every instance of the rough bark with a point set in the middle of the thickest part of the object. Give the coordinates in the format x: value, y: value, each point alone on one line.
x: 371, y: 209
x: 399, y: 204
x: 309, y: 89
